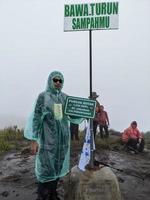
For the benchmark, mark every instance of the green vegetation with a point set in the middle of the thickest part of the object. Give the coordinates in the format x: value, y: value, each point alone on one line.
x: 147, y: 139
x: 112, y: 143
x: 11, y: 138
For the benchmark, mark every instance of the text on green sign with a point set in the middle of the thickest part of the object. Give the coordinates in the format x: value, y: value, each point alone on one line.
x: 90, y: 23
x: 83, y: 10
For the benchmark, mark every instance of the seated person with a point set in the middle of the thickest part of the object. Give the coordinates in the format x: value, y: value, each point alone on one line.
x: 133, y: 138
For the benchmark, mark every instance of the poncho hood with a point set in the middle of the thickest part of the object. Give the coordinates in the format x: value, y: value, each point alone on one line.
x: 50, y: 84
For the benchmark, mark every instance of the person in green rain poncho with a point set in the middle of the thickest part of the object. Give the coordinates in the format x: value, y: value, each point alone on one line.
x: 48, y: 128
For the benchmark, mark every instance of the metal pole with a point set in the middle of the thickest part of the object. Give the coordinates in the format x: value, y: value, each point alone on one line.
x: 91, y: 120
x: 90, y: 56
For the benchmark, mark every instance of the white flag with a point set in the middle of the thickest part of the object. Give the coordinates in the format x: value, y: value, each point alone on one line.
x: 86, y: 150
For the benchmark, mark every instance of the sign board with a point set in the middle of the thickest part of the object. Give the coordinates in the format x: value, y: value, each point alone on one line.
x: 80, y: 107
x: 91, y: 16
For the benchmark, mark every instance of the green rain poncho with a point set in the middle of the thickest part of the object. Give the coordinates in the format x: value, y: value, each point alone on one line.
x: 50, y: 129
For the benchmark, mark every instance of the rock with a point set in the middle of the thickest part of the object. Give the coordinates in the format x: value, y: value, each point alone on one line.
x: 26, y: 151
x: 92, y: 185
x: 5, y: 193
x: 24, y: 171
x: 11, y: 178
x: 121, y: 180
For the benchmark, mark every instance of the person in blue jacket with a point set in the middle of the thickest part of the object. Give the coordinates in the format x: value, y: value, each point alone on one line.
x: 48, y: 128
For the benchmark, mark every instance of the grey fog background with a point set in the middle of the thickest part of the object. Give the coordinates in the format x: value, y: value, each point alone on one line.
x: 32, y: 44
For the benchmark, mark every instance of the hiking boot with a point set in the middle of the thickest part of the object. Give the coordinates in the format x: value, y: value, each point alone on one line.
x: 46, y: 197
x: 53, y: 197
x: 40, y: 198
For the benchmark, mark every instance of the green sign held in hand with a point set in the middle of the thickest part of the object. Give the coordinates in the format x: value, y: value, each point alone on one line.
x: 80, y: 107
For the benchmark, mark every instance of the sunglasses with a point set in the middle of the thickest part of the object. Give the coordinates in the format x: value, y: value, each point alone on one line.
x: 56, y: 80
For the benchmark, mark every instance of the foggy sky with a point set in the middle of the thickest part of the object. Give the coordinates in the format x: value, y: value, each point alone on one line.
x: 33, y: 44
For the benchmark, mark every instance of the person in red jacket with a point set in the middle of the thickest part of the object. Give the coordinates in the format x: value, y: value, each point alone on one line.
x: 103, y: 122
x: 133, y: 138
x: 95, y: 120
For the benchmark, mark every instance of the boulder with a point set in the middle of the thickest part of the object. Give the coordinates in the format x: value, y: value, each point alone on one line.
x: 100, y: 184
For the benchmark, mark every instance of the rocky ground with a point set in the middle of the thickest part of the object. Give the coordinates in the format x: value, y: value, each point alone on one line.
x: 17, y: 179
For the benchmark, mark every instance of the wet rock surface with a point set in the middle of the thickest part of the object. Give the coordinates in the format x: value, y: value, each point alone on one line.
x: 17, y: 178
x: 135, y: 178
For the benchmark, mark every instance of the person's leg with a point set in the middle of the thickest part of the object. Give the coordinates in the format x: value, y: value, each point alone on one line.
x: 71, y: 131
x: 52, y: 188
x: 132, y: 144
x: 76, y: 131
x: 94, y: 128
x: 141, y: 147
x: 42, y: 191
x: 106, y: 131
x: 101, y: 131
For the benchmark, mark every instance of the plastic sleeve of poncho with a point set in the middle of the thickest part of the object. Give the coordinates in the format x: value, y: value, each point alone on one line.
x: 28, y: 131
x: 33, y: 125
x: 75, y: 120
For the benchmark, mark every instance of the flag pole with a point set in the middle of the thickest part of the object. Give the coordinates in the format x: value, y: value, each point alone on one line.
x: 91, y: 120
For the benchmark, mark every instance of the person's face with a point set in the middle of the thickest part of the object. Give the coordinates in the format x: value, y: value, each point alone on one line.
x: 57, y: 82
x: 101, y: 108
x: 97, y: 109
x: 133, y: 126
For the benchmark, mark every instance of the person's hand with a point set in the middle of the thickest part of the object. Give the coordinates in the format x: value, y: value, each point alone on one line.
x: 34, y: 147
x: 138, y: 146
